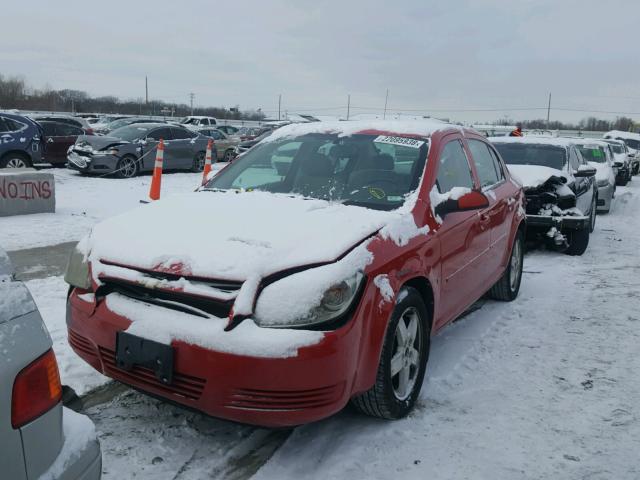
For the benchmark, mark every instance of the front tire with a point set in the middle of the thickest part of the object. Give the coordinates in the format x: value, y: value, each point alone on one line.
x: 507, y: 288
x: 228, y: 155
x: 578, y: 241
x: 127, y: 167
x: 403, y: 360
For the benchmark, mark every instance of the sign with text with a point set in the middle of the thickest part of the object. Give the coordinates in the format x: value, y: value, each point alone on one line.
x: 25, y: 191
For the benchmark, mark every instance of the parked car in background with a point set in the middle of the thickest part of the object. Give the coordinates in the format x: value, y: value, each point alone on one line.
x: 632, y: 140
x: 130, y: 150
x: 560, y: 188
x: 123, y: 122
x: 385, y: 231
x: 251, y: 133
x: 621, y: 161
x: 245, y: 145
x: 104, y: 120
x: 198, y: 121
x: 57, y: 137
x: 599, y: 155
x: 38, y: 436
x: 225, y: 144
x: 68, y: 119
x: 20, y: 141
x: 228, y: 129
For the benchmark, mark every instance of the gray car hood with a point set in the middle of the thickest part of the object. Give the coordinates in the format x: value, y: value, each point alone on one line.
x: 98, y: 142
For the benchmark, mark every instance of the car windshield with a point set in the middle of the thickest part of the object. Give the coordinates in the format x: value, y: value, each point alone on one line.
x: 533, y: 154
x: 367, y: 170
x: 190, y: 121
x: 130, y: 133
x: 593, y: 153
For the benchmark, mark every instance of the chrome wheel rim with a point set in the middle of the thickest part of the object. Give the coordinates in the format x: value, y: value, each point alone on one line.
x: 16, y: 163
x: 407, y: 351
x: 515, y: 265
x: 128, y: 167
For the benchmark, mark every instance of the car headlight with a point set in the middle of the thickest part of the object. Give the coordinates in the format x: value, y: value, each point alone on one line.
x: 77, y: 274
x: 321, y: 306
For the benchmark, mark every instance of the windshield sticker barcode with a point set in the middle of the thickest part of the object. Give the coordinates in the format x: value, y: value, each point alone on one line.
x: 402, y: 141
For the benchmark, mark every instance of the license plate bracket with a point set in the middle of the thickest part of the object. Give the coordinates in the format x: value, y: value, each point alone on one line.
x: 132, y: 350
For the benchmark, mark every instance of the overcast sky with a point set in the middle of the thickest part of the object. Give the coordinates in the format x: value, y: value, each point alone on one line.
x: 446, y: 59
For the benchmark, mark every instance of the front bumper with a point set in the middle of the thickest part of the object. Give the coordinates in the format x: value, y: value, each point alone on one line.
x: 545, y: 222
x: 92, y: 163
x: 272, y: 392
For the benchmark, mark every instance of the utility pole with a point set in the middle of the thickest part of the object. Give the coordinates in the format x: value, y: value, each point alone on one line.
x: 386, y: 100
x: 146, y: 91
x: 279, y: 105
x: 348, y: 105
x: 191, y: 97
x: 548, y: 110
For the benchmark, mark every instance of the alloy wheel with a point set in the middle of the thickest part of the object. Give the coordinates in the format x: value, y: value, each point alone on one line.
x: 128, y: 167
x: 407, y: 351
x: 515, y: 265
x: 16, y: 162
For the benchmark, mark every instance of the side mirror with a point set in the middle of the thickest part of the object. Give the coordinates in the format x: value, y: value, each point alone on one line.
x: 585, y: 171
x: 473, y: 200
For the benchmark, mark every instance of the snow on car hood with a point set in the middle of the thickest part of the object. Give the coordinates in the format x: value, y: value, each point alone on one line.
x: 236, y: 236
x: 532, y: 176
x: 603, y: 172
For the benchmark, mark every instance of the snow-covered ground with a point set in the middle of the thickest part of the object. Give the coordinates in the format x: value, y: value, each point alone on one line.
x: 544, y: 387
x: 81, y: 202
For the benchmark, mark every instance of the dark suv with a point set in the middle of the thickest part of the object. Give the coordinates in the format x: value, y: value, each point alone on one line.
x: 19, y: 141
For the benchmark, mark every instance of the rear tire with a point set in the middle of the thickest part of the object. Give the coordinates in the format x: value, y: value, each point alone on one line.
x: 578, y: 241
x: 198, y: 162
x: 403, y: 361
x: 15, y: 160
x: 506, y: 289
x: 228, y: 155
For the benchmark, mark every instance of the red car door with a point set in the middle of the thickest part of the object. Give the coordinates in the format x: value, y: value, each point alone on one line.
x: 500, y: 194
x: 464, y: 236
x: 58, y: 138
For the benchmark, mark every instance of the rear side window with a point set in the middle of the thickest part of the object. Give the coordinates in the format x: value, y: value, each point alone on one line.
x: 13, y: 126
x: 49, y: 129
x: 182, y: 134
x: 160, y: 133
x: 65, y: 130
x: 488, y: 172
x: 453, y: 168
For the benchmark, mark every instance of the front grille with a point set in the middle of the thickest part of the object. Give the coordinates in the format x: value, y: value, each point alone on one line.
x: 279, y: 400
x: 183, y: 385
x: 81, y: 344
x: 166, y: 298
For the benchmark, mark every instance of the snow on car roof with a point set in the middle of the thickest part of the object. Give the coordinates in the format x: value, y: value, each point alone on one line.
x: 536, y: 140
x: 621, y: 134
x: 421, y: 128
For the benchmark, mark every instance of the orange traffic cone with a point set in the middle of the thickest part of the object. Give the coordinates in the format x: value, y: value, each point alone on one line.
x: 207, y: 162
x: 156, y: 180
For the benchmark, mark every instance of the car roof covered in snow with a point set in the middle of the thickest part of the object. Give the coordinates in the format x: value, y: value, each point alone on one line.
x: 536, y: 140
x: 420, y: 128
x: 621, y: 134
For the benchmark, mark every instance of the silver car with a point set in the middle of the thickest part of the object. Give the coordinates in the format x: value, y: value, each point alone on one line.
x: 39, y: 438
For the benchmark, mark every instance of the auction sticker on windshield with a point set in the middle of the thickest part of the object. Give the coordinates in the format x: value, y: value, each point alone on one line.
x: 405, y: 142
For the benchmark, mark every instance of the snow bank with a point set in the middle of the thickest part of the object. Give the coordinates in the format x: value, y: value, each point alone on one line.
x: 78, y: 432
x: 163, y: 325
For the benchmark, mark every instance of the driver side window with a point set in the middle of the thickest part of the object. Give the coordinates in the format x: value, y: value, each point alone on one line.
x: 453, y: 168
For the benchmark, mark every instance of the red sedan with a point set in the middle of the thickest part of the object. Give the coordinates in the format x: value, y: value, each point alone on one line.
x: 310, y: 272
